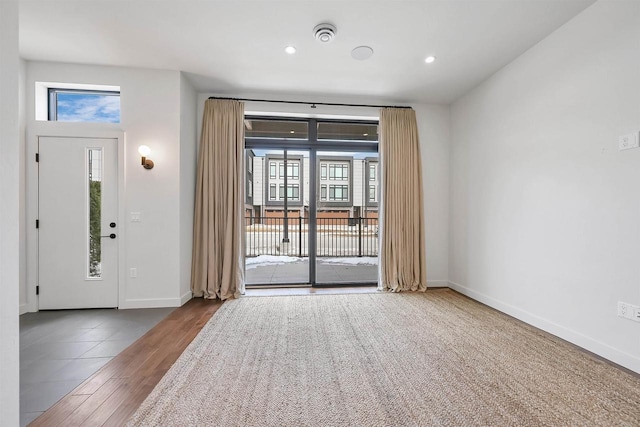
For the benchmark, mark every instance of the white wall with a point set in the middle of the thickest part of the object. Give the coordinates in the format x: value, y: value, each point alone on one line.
x: 22, y: 111
x: 188, y: 156
x: 150, y: 115
x: 545, y: 211
x: 9, y: 212
x: 433, y: 129
x: 258, y: 181
x: 358, y: 191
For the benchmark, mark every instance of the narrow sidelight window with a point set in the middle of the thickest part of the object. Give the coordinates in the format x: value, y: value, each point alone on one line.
x: 94, y: 169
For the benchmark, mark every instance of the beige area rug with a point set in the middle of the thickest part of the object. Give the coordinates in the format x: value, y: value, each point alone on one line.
x: 384, y: 360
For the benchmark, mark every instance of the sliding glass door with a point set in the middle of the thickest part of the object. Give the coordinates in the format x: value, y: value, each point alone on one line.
x: 312, y: 202
x: 277, y: 216
x: 347, y: 217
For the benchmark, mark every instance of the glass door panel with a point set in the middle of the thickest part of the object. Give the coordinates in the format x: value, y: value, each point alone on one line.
x: 276, y: 217
x: 347, y: 189
x: 94, y: 172
x: 287, y: 130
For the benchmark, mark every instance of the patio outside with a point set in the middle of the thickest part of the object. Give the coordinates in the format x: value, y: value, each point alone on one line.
x: 347, y: 251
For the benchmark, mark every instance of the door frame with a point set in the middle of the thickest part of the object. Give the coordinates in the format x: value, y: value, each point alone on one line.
x: 313, y: 146
x: 68, y: 130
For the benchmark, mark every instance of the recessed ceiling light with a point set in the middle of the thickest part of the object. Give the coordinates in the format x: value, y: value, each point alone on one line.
x: 361, y: 53
x: 292, y: 131
x: 430, y: 59
x: 290, y: 50
x: 365, y: 134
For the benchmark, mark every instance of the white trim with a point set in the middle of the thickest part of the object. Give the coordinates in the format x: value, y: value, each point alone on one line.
x: 610, y: 353
x: 122, y: 260
x: 31, y: 213
x: 73, y: 130
x: 151, y: 303
x: 437, y: 283
x: 185, y: 298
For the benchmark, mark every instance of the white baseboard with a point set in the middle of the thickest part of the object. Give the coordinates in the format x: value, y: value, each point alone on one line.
x: 610, y: 353
x: 186, y: 297
x: 151, y: 303
x: 437, y: 283
x: 23, y: 309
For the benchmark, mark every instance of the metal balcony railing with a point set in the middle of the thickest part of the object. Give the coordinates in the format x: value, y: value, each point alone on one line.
x: 336, y: 237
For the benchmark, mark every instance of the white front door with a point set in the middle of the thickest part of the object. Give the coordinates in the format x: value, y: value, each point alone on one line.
x: 78, y: 229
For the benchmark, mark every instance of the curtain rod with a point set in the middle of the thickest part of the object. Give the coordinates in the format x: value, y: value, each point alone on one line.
x: 312, y: 104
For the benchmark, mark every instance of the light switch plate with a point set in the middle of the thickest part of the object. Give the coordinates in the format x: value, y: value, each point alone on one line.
x: 629, y: 141
x: 135, y: 216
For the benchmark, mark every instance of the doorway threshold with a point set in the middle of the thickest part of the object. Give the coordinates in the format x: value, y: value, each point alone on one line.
x: 308, y: 290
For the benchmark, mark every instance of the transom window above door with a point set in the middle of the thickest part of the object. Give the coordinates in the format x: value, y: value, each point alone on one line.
x: 75, y: 105
x: 297, y: 129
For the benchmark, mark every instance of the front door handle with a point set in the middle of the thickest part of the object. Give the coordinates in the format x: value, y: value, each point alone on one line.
x: 111, y: 236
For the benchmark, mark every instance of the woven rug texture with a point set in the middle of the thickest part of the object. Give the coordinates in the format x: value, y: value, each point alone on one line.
x: 407, y: 359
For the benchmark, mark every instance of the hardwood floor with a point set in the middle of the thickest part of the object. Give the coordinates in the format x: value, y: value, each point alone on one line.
x: 112, y: 395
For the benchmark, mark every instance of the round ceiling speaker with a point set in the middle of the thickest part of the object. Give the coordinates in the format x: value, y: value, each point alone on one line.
x: 324, y: 33
x: 361, y: 53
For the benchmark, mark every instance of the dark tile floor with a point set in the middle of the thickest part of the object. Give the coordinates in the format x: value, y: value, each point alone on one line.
x: 61, y: 349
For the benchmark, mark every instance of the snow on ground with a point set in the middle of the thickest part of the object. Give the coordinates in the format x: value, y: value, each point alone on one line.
x: 264, y: 260
x: 267, y: 260
x: 350, y: 260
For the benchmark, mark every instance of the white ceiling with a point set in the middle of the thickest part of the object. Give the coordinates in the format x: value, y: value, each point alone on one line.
x: 237, y: 47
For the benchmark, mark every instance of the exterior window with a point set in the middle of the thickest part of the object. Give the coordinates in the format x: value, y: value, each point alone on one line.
x: 272, y: 170
x: 323, y: 171
x: 339, y: 192
x: 372, y: 172
x: 72, y: 105
x: 338, y: 172
x: 250, y: 189
x: 323, y: 192
x: 281, y: 169
x: 372, y: 193
x: 272, y: 192
x: 275, y: 129
x: 249, y: 164
x: 293, y: 170
x: 293, y: 192
x: 365, y: 132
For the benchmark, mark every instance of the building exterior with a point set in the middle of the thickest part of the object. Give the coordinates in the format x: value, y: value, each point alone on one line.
x: 347, y: 187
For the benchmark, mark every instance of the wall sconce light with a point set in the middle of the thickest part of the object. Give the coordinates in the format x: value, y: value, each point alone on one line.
x: 144, y: 152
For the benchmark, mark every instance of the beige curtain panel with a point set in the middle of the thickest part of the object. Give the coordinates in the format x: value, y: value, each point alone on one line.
x: 217, y: 269
x: 402, y: 252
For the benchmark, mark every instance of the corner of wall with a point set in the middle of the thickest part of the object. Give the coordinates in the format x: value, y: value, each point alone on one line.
x: 434, y: 124
x: 22, y: 113
x: 9, y: 213
x: 188, y: 161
